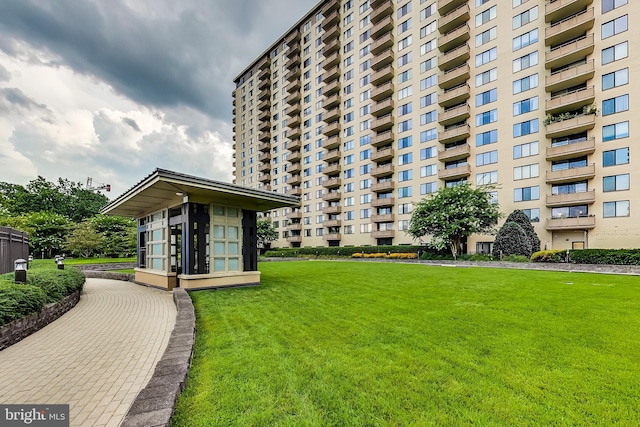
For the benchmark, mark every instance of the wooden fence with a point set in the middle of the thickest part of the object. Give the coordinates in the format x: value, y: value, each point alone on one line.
x: 13, y: 245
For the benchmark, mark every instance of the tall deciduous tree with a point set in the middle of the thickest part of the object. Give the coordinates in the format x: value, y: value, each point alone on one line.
x: 119, y: 234
x: 266, y: 232
x: 453, y: 213
x: 47, y: 230
x: 84, y: 240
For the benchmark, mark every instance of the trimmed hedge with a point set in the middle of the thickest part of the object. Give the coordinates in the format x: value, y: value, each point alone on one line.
x: 341, y: 251
x: 549, y: 255
x: 17, y: 301
x: 605, y: 256
x: 56, y: 284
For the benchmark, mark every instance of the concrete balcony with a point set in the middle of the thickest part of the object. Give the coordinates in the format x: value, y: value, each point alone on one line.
x: 568, y: 151
x: 331, y: 88
x: 294, y: 48
x: 263, y: 80
x: 570, y: 77
x: 331, y: 74
x: 332, y: 155
x: 293, y: 61
x: 568, y: 127
x: 383, y: 123
x: 294, y: 239
x: 332, y: 170
x: 585, y: 198
x: 331, y: 19
x: 454, y: 115
x: 383, y: 187
x: 454, y: 38
x: 446, y: 6
x: 332, y: 115
x: 571, y: 101
x: 332, y: 129
x: 454, y: 95
x: 381, y: 171
x: 332, y: 210
x: 293, y: 74
x: 383, y: 75
x: 294, y: 227
x: 265, y: 146
x: 383, y: 91
x: 384, y: 42
x: 382, y: 218
x: 293, y: 86
x: 332, y: 46
x: 294, y: 145
x: 383, y: 26
x: 296, y: 191
x: 294, y: 169
x: 293, y: 109
x: 458, y: 133
x: 294, y: 122
x: 571, y: 175
x: 264, y: 105
x: 453, y: 19
x: 332, y: 101
x: 264, y: 136
x: 579, y: 223
x: 454, y: 77
x: 382, y: 10
x: 331, y: 237
x: 560, y: 9
x: 331, y: 60
x: 330, y: 7
x: 454, y: 57
x: 332, y: 183
x: 264, y: 125
x: 264, y: 63
x: 264, y: 116
x: 294, y: 97
x: 454, y: 173
x: 292, y: 37
x: 332, y: 142
x: 264, y: 94
x: 383, y: 138
x: 294, y: 133
x: 331, y: 34
x: 264, y: 157
x: 294, y: 180
x: 265, y: 178
x: 295, y: 157
x: 570, y: 27
x: 332, y: 196
x: 383, y: 202
x: 458, y: 153
x: 382, y: 155
x: 332, y: 223
x: 383, y: 59
x: 570, y: 52
x: 383, y: 234
x: 382, y: 107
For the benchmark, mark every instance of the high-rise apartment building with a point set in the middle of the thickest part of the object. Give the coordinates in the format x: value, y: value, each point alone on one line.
x: 363, y: 108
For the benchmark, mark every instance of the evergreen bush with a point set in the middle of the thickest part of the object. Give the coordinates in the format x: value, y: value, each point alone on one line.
x: 511, y: 240
x: 524, y: 222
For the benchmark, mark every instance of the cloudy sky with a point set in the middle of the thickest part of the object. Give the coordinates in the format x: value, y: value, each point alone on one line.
x: 113, y: 89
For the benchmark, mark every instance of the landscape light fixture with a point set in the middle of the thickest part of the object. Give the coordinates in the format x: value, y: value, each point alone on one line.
x: 20, y: 267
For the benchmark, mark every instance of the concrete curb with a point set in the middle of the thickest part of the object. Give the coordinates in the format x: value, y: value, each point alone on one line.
x: 154, y: 405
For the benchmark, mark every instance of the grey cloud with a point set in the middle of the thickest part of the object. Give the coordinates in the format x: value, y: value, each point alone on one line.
x: 167, y: 55
x: 14, y: 101
x: 131, y: 123
x: 5, y: 76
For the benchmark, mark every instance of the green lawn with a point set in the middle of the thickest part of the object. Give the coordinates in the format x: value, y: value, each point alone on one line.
x: 49, y: 263
x: 355, y: 344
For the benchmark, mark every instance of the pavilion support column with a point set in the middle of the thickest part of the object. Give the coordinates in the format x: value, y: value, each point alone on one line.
x: 250, y: 240
x: 188, y: 249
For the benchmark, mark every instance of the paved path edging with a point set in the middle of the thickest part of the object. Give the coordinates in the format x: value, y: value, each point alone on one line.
x: 19, y: 329
x: 155, y: 404
x: 111, y: 275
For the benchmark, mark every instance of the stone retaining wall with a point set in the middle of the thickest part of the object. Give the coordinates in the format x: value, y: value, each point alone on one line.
x: 154, y: 405
x: 105, y: 267
x: 113, y: 275
x: 13, y: 332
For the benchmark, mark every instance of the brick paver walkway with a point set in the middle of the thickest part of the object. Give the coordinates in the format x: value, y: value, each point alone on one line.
x: 96, y: 357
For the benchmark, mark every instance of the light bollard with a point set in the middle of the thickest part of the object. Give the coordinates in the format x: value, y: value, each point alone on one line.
x: 20, y: 267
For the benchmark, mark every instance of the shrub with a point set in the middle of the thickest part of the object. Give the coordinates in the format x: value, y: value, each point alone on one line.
x: 549, y: 255
x: 17, y: 301
x: 516, y: 258
x: 511, y: 240
x: 475, y: 257
x: 341, y: 250
x: 524, y: 222
x: 605, y: 256
x: 56, y: 284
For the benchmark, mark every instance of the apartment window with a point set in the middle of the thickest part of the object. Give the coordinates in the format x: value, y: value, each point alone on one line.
x: 364, y: 140
x: 349, y: 173
x: 365, y: 110
x: 525, y: 17
x: 365, y: 228
x: 487, y: 158
x: 428, y: 82
x: 405, y: 142
x: 518, y: 2
x: 404, y: 109
x: 486, y: 117
x: 486, y: 16
x: 428, y: 29
x: 525, y: 62
x: 614, y: 209
x: 404, y: 192
x: 365, y: 183
x: 365, y: 50
x: 487, y: 178
x: 428, y: 47
x: 615, y: 183
x: 617, y: 26
x: 486, y: 77
x: 365, y: 169
x: 532, y: 214
x: 485, y: 138
x: 486, y: 97
x: 365, y: 213
x: 615, y: 131
x: 526, y: 193
x: 348, y: 216
x: 405, y: 159
x: 428, y: 188
x: 403, y: 10
x: 404, y: 59
x: 348, y: 117
x: 525, y: 84
x: 405, y: 208
x: 405, y: 92
x: 429, y: 170
x: 427, y: 100
x: 427, y: 65
x: 525, y: 39
x: 428, y: 153
x: 481, y: 2
x: 404, y: 76
x: 617, y: 78
x: 405, y: 175
x: 486, y: 56
x: 405, y: 125
x: 525, y: 150
x: 349, y: 159
x: 428, y: 135
x: 615, y: 105
x: 525, y: 128
x: 615, y: 157
x: 404, y: 26
x: 486, y: 36
x: 615, y: 53
x: 365, y: 154
x: 609, y: 5
x: 526, y: 171
x: 365, y: 198
x: 525, y: 106
x: 427, y: 11
x: 429, y: 117
x: 405, y: 42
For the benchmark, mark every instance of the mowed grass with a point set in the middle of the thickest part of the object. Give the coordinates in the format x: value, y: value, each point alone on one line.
x: 382, y: 344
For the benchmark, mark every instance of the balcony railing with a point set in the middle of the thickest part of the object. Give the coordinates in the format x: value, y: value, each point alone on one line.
x: 579, y: 223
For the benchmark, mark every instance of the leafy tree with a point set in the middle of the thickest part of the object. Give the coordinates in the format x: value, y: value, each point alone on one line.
x: 266, y: 232
x: 453, y: 213
x: 84, y: 240
x: 511, y: 240
x: 524, y: 222
x: 119, y: 234
x: 47, y: 231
